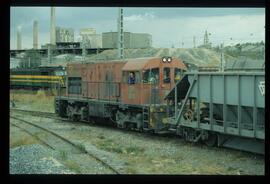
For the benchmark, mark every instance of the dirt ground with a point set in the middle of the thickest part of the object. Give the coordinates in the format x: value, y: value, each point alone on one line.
x: 134, y: 152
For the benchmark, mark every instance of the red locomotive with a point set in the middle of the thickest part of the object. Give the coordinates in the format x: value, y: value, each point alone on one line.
x: 130, y: 93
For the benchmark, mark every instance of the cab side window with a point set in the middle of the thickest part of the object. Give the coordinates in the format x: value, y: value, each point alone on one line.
x: 131, y: 77
x: 151, y: 76
x: 177, y: 74
x: 166, y: 75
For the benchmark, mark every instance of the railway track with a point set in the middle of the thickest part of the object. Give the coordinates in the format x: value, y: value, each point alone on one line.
x: 54, y: 116
x: 66, y: 144
x: 36, y: 113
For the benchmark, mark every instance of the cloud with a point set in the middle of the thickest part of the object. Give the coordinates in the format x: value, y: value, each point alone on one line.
x: 168, y: 26
x: 140, y: 17
x: 173, y: 31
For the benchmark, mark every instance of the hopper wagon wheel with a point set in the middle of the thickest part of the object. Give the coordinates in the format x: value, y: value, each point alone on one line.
x: 188, y: 115
x: 212, y: 140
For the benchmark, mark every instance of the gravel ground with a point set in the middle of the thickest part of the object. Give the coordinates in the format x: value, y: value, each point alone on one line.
x: 137, y: 153
x: 148, y: 154
x: 80, y: 163
x: 35, y: 159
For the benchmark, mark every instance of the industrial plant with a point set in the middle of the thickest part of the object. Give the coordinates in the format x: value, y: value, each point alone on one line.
x: 63, y: 38
x: 107, y: 99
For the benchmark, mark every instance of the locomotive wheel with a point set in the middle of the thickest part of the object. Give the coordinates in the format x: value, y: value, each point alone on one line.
x: 188, y: 115
x: 212, y: 140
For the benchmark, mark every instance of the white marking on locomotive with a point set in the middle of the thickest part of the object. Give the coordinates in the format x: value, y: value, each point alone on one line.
x: 262, y: 87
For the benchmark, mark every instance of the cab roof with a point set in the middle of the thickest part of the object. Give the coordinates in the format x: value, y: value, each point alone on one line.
x: 153, y: 62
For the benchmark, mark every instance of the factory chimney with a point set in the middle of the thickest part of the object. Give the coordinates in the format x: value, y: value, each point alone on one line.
x: 35, y: 34
x: 19, y: 38
x: 52, y: 26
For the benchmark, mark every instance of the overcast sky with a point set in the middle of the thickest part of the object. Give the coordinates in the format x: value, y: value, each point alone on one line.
x: 168, y: 26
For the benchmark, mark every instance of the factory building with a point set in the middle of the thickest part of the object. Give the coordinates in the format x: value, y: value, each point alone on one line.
x: 87, y: 31
x: 131, y: 40
x: 64, y: 34
x: 90, y: 39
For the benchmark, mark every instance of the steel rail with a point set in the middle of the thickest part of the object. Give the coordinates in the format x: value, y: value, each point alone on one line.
x: 65, y: 140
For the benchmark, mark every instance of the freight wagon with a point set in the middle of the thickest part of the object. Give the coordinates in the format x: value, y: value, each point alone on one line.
x: 223, y: 108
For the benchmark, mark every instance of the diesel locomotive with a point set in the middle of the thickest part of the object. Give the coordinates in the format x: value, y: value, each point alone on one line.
x: 157, y: 95
x: 129, y: 93
x: 43, y: 77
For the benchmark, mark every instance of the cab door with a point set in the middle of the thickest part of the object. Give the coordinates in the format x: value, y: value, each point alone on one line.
x: 166, y: 82
x: 131, y: 92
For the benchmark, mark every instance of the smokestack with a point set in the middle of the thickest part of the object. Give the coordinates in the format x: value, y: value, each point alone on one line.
x: 35, y: 35
x: 53, y: 25
x: 19, y: 38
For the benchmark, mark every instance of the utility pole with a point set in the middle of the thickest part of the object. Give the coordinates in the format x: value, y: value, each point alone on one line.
x: 194, y: 41
x: 120, y: 34
x: 83, y: 51
x: 222, y: 60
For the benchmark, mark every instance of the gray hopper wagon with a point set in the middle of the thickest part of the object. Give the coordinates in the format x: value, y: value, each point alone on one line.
x: 220, y: 108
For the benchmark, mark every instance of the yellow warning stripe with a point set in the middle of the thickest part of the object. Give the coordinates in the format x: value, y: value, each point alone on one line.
x: 49, y: 81
x: 36, y: 76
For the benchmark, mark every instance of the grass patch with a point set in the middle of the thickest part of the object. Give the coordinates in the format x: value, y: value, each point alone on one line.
x: 101, y: 136
x: 19, y: 138
x: 40, y: 100
x: 109, y: 145
x: 231, y: 168
x: 135, y: 149
x: 23, y: 141
x: 73, y: 166
x: 63, y: 155
x: 130, y: 170
x: 82, y: 147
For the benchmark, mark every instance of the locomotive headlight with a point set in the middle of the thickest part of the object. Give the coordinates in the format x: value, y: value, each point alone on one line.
x: 167, y: 59
x: 164, y: 59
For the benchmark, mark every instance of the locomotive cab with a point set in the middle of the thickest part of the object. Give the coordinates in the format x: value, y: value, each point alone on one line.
x: 147, y: 81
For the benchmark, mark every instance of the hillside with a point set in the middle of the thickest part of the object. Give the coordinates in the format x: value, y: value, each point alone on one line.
x: 197, y: 56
